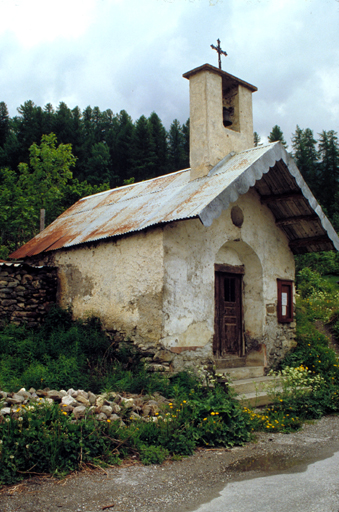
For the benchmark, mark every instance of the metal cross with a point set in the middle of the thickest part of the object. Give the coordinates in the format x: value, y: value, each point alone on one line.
x: 220, y: 51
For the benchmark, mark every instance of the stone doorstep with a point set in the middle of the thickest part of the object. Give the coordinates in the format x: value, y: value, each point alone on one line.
x: 249, y: 383
x: 255, y: 358
x: 258, y: 399
x: 243, y: 372
x: 254, y: 385
x: 230, y: 362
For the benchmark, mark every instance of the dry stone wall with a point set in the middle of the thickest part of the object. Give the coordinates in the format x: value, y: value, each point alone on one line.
x: 79, y: 403
x: 26, y: 292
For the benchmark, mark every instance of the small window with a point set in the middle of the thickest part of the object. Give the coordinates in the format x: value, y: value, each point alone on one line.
x: 285, y: 301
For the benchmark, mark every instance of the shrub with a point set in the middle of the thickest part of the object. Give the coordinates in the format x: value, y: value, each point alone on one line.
x: 65, y: 353
x: 45, y: 440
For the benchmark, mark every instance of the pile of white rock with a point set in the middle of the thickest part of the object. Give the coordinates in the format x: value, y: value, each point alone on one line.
x: 80, y: 404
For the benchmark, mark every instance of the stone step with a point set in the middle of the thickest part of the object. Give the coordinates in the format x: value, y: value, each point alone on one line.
x: 230, y: 362
x: 240, y: 373
x: 250, y: 385
x: 255, y: 357
x: 258, y: 399
x: 254, y: 385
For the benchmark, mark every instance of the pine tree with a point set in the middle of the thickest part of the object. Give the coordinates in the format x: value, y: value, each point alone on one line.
x: 121, y: 153
x: 277, y: 135
x: 144, y: 157
x: 48, y: 119
x: 29, y: 128
x: 186, y: 143
x: 4, y: 123
x: 306, y: 156
x: 98, y: 165
x: 329, y: 169
x: 78, y: 143
x: 176, y: 144
x: 159, y: 138
x: 256, y: 139
x: 63, y: 122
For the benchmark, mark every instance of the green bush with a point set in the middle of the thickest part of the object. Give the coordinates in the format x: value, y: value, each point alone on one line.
x: 317, y: 305
x: 45, y: 440
x: 322, y: 262
x: 64, y: 354
x: 153, y: 454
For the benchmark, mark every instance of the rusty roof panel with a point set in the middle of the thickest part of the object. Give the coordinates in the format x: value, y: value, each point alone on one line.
x: 174, y: 197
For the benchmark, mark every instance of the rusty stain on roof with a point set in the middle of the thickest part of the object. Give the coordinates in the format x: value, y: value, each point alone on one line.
x: 269, y: 169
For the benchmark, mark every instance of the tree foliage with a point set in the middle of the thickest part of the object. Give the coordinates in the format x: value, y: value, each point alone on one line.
x: 277, y: 135
x: 318, y: 162
x: 108, y: 147
x: 306, y: 155
x: 46, y: 182
x: 256, y: 139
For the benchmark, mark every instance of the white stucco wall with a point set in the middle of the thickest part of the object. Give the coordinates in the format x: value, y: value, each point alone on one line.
x: 190, y: 252
x: 210, y: 141
x: 157, y: 287
x: 119, y: 280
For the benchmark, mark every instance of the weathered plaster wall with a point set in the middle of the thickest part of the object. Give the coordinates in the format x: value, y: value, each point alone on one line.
x: 210, y: 141
x: 157, y: 287
x: 190, y: 252
x: 119, y: 280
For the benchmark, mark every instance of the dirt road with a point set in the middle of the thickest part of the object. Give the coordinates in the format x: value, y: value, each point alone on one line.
x: 175, y: 486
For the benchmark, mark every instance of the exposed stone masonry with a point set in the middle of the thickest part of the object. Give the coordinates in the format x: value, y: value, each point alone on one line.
x: 79, y: 404
x: 26, y: 292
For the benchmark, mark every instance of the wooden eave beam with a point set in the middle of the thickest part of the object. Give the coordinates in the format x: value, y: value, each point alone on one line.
x: 312, y: 240
x: 278, y: 198
x: 288, y: 221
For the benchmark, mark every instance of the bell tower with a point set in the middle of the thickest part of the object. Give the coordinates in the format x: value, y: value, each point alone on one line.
x: 221, y: 118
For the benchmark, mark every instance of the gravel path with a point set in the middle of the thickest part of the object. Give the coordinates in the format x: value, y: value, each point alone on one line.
x: 174, y: 486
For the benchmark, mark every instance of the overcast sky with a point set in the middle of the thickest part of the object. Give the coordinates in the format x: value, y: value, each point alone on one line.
x: 131, y: 54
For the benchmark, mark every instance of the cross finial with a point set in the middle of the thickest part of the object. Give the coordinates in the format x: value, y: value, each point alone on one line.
x: 219, y: 50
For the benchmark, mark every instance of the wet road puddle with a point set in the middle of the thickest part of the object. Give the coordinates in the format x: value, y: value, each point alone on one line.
x: 278, y: 483
x: 268, y: 463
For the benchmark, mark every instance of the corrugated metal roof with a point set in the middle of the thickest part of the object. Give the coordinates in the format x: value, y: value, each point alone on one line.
x: 174, y: 197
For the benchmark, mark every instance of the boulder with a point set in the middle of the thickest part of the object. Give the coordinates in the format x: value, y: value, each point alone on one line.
x: 127, y: 402
x: 79, y: 412
x: 68, y: 400
x: 116, y: 408
x: 114, y: 417
x: 91, y: 398
x: 15, y: 399
x: 106, y: 409
x: 80, y: 398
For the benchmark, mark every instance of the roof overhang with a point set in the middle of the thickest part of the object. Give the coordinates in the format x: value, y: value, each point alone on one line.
x: 228, y: 80
x: 281, y: 187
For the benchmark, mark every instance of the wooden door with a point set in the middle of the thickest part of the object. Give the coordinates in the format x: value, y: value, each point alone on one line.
x: 228, y: 308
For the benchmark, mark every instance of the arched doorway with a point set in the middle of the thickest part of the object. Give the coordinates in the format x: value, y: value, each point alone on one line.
x: 238, y: 299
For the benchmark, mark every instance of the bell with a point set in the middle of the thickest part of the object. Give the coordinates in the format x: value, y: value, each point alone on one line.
x: 226, y: 117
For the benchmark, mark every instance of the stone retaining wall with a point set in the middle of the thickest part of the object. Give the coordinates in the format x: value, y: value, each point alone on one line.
x: 78, y: 404
x: 26, y: 292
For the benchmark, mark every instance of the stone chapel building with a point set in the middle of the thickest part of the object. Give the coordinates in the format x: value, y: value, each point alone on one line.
x: 197, y: 265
